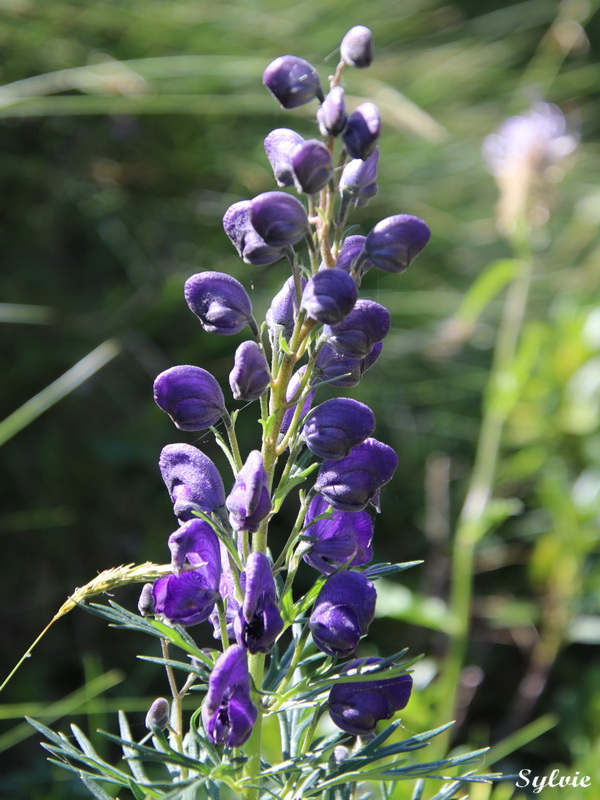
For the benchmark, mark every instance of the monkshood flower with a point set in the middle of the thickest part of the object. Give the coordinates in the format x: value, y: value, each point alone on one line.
x: 366, y: 324
x: 191, y: 396
x: 227, y: 590
x: 192, y: 479
x: 396, y: 241
x: 358, y: 182
x: 351, y: 483
x: 342, y: 613
x: 228, y: 712
x: 278, y: 218
x: 158, y: 715
x: 219, y: 301
x: 279, y: 146
x: 251, y: 248
x: 334, y: 427
x: 312, y: 166
x: 331, y: 115
x: 281, y: 314
x: 338, y: 538
x: 250, y: 375
x: 258, y: 622
x: 291, y: 391
x: 350, y: 252
x: 356, y: 48
x: 196, y: 542
x: 293, y: 81
x: 249, y: 501
x: 329, y: 296
x: 362, y: 131
x: 341, y: 370
x: 357, y: 707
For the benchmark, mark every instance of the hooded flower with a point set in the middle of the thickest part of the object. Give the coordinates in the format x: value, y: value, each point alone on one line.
x: 192, y: 479
x: 250, y: 375
x: 293, y: 81
x: 366, y: 324
x: 395, y: 242
x: 278, y: 218
x: 334, y: 427
x: 351, y: 256
x: 227, y: 590
x: 362, y: 131
x: 329, y: 296
x: 352, y: 482
x: 341, y: 370
x: 359, y: 179
x: 312, y: 166
x: 279, y: 146
x: 249, y: 501
x: 342, y: 613
x: 219, y: 301
x: 228, y: 712
x: 331, y: 115
x: 356, y: 48
x: 280, y: 314
x: 342, y: 536
x: 250, y: 246
x: 291, y: 391
x: 196, y: 542
x: 258, y: 623
x: 357, y: 707
x: 191, y: 396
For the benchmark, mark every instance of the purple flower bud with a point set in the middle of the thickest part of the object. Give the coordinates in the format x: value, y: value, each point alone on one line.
x: 312, y: 166
x: 342, y: 613
x: 396, y: 241
x: 279, y: 146
x: 359, y: 179
x: 249, y: 501
x: 192, y: 479
x: 258, y: 623
x: 146, y: 601
x: 357, y: 707
x: 291, y: 391
x: 352, y: 482
x: 350, y: 251
x: 332, y: 113
x: 355, y: 336
x: 189, y: 598
x: 228, y: 712
x: 190, y: 396
x: 250, y: 375
x: 293, y: 81
x: 158, y: 715
x: 219, y: 301
x: 362, y: 131
x: 341, y: 370
x: 227, y: 590
x: 334, y: 427
x: 278, y: 218
x: 356, y: 48
x: 343, y: 536
x: 329, y: 296
x: 281, y: 315
x: 250, y: 246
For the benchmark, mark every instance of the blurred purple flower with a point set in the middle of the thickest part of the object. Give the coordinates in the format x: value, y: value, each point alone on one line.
x: 249, y: 501
x: 250, y: 246
x: 192, y: 479
x: 356, y: 48
x: 279, y: 218
x: 191, y: 396
x: 158, y: 715
x: 366, y: 324
x: 350, y: 252
x: 291, y: 391
x: 331, y: 115
x: 334, y: 427
x: 250, y: 375
x: 219, y: 301
x: 395, y: 242
x: 293, y: 81
x: 362, y: 131
x: 280, y: 315
x: 359, y: 179
x: 331, y: 365
x: 342, y: 536
x: 329, y: 296
x: 312, y: 166
x: 342, y: 613
x: 279, y: 146
x: 228, y: 712
x: 258, y: 623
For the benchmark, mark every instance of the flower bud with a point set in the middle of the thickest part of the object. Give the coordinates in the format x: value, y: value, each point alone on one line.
x: 291, y: 391
x: 362, y: 131
x: 250, y: 375
x: 281, y: 315
x: 259, y: 622
x: 342, y: 613
x: 158, y: 715
x: 366, y: 324
x: 146, y: 601
x: 228, y: 713
x: 329, y: 296
x: 334, y: 427
x: 190, y: 396
x: 396, y: 241
x: 344, y: 537
x: 312, y: 166
x: 293, y: 81
x: 331, y: 115
x: 341, y: 370
x: 356, y: 48
x: 278, y: 218
x: 279, y: 146
x: 249, y: 501
x: 219, y: 301
x: 250, y: 246
x: 192, y: 479
x: 351, y: 255
x: 359, y: 179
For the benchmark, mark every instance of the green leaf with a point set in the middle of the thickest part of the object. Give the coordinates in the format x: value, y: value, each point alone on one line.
x: 96, y: 790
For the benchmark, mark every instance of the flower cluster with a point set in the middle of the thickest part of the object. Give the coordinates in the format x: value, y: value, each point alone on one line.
x: 229, y: 566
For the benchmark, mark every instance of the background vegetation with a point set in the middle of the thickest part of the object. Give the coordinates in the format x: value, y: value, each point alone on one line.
x: 126, y: 129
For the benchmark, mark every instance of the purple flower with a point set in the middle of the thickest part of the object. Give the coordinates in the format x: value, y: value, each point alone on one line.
x: 228, y: 712
x: 343, y: 536
x: 331, y: 115
x: 158, y: 715
x: 362, y: 131
x: 329, y: 296
x: 280, y: 316
x: 258, y: 623
x: 334, y: 427
x: 293, y: 81
x: 342, y: 613
x: 227, y: 590
x: 279, y: 146
x: 359, y: 179
x: 250, y: 375
x: 366, y: 324
x: 395, y: 242
x: 357, y: 707
x: 291, y: 391
x: 312, y: 166
x: 278, y: 218
x: 192, y: 479
x: 352, y: 482
x: 190, y: 396
x: 356, y: 48
x: 250, y: 246
x: 219, y: 301
x: 249, y: 501
x: 351, y: 256
x: 331, y: 365
x: 195, y: 541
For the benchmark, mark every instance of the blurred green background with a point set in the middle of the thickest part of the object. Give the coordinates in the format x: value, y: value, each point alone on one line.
x: 126, y: 130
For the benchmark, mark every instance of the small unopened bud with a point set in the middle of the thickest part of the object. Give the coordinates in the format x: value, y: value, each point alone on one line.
x: 146, y: 601
x: 158, y: 715
x: 357, y: 47
x: 332, y: 115
x: 362, y: 131
x: 279, y: 146
x: 293, y: 81
x: 312, y: 166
